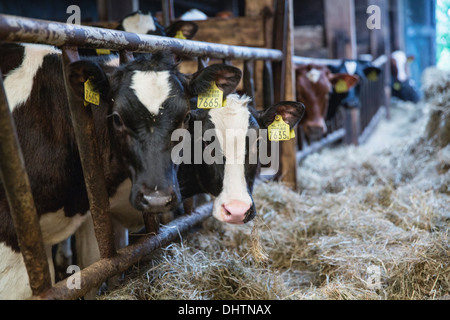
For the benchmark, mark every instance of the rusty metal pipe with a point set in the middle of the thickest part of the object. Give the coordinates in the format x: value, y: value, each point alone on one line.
x: 19, y: 29
x: 18, y: 192
x: 94, y: 275
x: 84, y: 128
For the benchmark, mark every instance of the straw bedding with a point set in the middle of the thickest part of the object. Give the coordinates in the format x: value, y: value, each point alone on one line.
x: 367, y: 222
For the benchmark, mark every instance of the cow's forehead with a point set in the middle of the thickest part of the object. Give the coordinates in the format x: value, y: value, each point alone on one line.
x: 151, y: 88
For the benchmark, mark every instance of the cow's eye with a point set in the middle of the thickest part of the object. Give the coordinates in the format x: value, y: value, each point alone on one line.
x: 117, y: 120
x: 187, y: 119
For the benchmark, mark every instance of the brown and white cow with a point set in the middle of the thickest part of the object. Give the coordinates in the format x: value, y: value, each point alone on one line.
x: 314, y: 84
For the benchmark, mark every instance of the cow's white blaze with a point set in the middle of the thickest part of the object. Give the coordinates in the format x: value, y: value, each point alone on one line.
x: 19, y: 82
x: 401, y: 60
x: 113, y: 62
x: 351, y: 67
x: 231, y: 124
x: 152, y: 88
x: 139, y: 23
x: 314, y: 75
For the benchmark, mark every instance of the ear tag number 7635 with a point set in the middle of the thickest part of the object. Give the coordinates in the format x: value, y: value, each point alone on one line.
x: 279, y: 130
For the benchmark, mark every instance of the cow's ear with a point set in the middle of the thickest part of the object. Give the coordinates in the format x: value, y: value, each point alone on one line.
x: 350, y: 80
x: 291, y: 112
x: 369, y: 72
x: 182, y: 29
x: 226, y: 77
x: 83, y: 70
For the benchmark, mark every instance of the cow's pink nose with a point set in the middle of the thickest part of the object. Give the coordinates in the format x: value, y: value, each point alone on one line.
x: 235, y: 211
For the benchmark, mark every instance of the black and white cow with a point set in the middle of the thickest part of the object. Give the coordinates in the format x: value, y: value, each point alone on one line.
x: 140, y: 23
x: 403, y: 87
x: 349, y: 98
x: 141, y: 104
x: 230, y: 180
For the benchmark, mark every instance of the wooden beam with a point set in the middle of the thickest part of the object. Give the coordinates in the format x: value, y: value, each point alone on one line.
x: 242, y: 31
x: 288, y: 158
x: 340, y: 28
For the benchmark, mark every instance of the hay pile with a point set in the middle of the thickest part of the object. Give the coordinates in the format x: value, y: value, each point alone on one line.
x: 368, y: 222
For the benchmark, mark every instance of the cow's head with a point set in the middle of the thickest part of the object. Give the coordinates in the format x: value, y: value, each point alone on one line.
x: 146, y: 102
x: 314, y: 83
x: 141, y: 23
x: 361, y: 70
x: 231, y: 179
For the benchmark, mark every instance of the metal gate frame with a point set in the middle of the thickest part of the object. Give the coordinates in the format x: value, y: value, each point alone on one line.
x: 69, y: 38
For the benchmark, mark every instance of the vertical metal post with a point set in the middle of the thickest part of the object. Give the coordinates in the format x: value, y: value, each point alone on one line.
x: 18, y: 192
x: 268, y: 86
x: 249, y: 82
x: 168, y: 12
x: 83, y: 124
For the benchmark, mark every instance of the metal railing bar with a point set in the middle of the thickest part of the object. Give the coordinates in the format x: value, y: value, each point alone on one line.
x: 20, y: 29
x: 94, y: 275
x: 306, y: 60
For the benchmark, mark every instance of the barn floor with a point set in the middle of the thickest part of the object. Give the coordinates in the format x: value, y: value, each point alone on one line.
x: 368, y: 222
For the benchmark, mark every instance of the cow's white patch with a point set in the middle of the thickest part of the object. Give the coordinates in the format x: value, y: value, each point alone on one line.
x: 351, y: 67
x: 401, y: 60
x: 113, y: 62
x: 19, y: 82
x: 139, y: 23
x: 231, y: 125
x: 152, y: 88
x: 314, y: 75
x: 14, y: 281
x: 56, y: 227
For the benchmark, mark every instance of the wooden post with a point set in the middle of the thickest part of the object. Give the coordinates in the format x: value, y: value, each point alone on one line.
x: 284, y: 79
x: 289, y: 148
x: 340, y: 25
x: 266, y: 9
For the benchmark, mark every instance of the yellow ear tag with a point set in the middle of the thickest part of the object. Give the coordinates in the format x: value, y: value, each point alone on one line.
x: 211, y: 99
x: 180, y: 35
x: 292, y: 134
x: 341, y: 86
x: 102, y: 51
x: 373, y: 76
x: 90, y: 95
x: 397, y: 86
x: 279, y: 130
